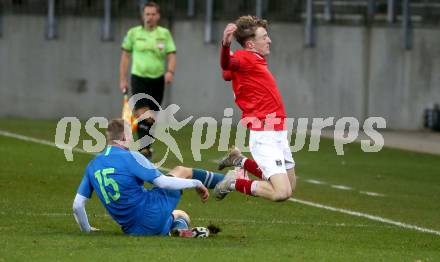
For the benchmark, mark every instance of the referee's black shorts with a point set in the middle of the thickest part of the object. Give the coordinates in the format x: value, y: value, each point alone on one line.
x: 150, y: 86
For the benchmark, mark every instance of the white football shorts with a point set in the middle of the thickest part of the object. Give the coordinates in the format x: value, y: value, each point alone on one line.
x: 271, y: 151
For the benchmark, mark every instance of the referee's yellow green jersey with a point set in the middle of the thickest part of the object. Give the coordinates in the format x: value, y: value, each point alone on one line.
x: 149, y: 50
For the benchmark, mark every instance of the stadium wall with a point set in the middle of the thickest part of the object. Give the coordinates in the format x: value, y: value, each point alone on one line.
x: 352, y: 71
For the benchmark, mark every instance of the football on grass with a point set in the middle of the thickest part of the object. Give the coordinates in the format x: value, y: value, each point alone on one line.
x: 200, y: 232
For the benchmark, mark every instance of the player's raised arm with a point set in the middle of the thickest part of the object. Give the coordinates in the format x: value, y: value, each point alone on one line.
x: 228, y: 62
x: 228, y: 33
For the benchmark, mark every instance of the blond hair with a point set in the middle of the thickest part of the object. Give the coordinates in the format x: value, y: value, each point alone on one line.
x: 246, y: 27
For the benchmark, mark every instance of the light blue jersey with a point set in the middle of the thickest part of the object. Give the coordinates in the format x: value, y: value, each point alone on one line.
x: 117, y: 176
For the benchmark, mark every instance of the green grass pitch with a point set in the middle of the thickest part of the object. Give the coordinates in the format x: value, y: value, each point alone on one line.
x: 37, y: 187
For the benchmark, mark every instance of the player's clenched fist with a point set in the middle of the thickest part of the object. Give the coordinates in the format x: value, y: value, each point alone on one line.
x: 228, y: 33
x: 203, y: 193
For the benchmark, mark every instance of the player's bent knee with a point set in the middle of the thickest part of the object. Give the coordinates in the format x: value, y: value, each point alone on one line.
x: 282, y: 195
x: 282, y: 188
x: 181, y: 214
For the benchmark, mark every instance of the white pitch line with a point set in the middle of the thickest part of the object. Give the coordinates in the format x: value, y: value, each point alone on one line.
x: 341, y: 187
x: 304, y: 202
x: 39, y: 141
x: 367, y: 216
x: 371, y: 193
x: 316, y: 182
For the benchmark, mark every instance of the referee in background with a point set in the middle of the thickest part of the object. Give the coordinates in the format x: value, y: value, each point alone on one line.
x: 152, y: 52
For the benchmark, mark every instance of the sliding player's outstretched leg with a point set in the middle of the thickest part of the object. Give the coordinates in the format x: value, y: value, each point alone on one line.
x: 209, y: 179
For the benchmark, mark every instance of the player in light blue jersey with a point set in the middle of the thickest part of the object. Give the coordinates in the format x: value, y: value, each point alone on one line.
x: 117, y: 176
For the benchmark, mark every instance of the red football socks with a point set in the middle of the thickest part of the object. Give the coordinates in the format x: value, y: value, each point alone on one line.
x: 251, y: 166
x: 244, y: 186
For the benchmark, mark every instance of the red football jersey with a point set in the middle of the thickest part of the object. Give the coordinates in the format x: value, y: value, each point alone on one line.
x: 256, y: 92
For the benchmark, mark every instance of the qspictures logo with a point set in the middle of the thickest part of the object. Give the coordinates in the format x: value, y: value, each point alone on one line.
x: 206, y: 131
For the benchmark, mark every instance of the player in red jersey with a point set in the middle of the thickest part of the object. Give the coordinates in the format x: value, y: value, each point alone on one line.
x: 257, y: 95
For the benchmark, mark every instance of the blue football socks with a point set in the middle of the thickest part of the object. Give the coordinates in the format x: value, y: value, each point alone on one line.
x: 209, y: 179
